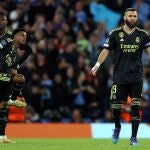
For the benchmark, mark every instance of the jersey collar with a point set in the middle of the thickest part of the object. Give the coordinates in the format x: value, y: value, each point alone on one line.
x: 128, y: 32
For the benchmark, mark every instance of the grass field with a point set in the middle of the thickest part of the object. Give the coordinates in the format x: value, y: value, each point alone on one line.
x: 74, y: 144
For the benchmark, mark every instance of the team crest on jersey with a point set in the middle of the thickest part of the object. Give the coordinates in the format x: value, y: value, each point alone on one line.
x: 137, y: 39
x: 121, y: 35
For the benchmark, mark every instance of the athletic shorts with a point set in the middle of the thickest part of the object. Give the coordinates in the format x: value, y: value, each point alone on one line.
x: 120, y: 92
x: 5, y: 87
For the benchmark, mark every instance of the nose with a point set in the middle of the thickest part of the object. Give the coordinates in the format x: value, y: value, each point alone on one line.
x: 133, y: 18
x: 25, y: 37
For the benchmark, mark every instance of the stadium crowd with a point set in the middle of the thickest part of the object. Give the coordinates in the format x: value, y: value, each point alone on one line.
x: 64, y: 35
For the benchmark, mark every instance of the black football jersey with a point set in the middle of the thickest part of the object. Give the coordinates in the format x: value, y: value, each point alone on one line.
x: 8, y: 55
x: 127, y: 52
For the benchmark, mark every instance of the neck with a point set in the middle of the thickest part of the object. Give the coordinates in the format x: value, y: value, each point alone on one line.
x: 127, y: 29
x: 17, y: 45
x: 2, y: 32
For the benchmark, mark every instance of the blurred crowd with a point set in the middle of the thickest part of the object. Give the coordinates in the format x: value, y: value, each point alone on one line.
x: 64, y: 37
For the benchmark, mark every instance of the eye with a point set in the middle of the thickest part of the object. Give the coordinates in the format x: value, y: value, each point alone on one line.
x: 133, y: 16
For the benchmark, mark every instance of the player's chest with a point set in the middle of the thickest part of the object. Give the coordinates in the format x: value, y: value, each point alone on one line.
x: 128, y: 43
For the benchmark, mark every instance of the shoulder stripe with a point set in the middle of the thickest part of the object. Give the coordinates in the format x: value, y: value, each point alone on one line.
x: 142, y: 30
x: 9, y: 32
x: 119, y: 28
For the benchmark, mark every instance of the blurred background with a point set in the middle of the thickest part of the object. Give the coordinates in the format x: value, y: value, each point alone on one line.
x: 64, y: 36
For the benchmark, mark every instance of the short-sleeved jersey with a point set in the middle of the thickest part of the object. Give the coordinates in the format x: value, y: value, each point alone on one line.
x: 8, y: 55
x: 127, y: 52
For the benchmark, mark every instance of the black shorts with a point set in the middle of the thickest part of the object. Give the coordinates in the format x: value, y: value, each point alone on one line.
x: 120, y: 92
x: 5, y: 87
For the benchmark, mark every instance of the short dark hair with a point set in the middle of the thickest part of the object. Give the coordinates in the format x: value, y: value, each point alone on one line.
x: 17, y: 30
x: 129, y: 9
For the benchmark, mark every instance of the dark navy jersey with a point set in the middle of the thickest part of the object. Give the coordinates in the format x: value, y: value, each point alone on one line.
x: 8, y: 55
x: 127, y: 52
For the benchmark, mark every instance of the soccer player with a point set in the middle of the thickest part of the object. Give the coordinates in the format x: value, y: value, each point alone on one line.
x: 19, y: 36
x: 127, y: 44
x: 8, y: 64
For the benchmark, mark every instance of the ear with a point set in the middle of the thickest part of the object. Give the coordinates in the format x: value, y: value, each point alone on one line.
x: 124, y: 17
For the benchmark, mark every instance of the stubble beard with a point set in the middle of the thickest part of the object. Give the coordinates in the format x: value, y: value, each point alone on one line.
x: 130, y: 25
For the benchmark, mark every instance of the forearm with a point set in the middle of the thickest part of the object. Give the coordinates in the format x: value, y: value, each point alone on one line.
x: 148, y: 51
x: 102, y: 57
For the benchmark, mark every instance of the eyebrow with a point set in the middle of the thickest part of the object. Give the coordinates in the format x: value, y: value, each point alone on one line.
x: 133, y: 15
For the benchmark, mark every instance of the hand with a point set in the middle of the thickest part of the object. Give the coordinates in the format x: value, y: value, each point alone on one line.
x: 19, y: 79
x: 94, y: 70
x: 13, y: 71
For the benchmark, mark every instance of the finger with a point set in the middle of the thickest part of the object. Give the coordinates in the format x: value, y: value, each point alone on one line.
x: 93, y: 73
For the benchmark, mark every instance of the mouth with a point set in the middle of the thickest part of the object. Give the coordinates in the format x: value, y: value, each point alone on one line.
x: 1, y: 26
x: 133, y: 22
x: 23, y: 41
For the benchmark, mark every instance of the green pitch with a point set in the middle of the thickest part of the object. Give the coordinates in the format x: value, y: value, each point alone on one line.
x: 74, y: 144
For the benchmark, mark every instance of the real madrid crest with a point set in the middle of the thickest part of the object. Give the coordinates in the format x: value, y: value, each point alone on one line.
x: 137, y: 39
x: 121, y: 35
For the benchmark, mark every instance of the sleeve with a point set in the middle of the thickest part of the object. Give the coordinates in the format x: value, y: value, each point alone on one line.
x: 147, y: 41
x: 3, y: 43
x: 13, y: 52
x: 15, y: 66
x: 109, y: 43
x: 28, y: 52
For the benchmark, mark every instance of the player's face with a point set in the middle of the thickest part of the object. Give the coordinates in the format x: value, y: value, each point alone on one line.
x: 130, y: 19
x: 3, y: 22
x: 20, y: 37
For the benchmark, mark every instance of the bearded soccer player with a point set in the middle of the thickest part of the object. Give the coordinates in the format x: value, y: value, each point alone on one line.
x: 127, y: 44
x: 8, y: 72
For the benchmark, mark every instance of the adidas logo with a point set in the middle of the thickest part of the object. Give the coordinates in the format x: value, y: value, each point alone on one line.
x: 121, y: 40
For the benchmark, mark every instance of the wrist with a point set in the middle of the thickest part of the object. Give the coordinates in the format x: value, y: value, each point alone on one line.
x: 97, y: 64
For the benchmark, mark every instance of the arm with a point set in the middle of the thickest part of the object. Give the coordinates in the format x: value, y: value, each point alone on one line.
x: 148, y: 51
x: 4, y: 43
x: 147, y: 44
x: 101, y: 58
x: 107, y: 47
x: 28, y: 51
x: 13, y: 71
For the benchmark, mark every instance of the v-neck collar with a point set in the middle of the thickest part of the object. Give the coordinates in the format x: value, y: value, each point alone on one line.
x: 127, y: 32
x: 3, y: 34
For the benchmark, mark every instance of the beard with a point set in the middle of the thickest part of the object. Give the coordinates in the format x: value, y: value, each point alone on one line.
x: 2, y: 27
x: 130, y: 25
